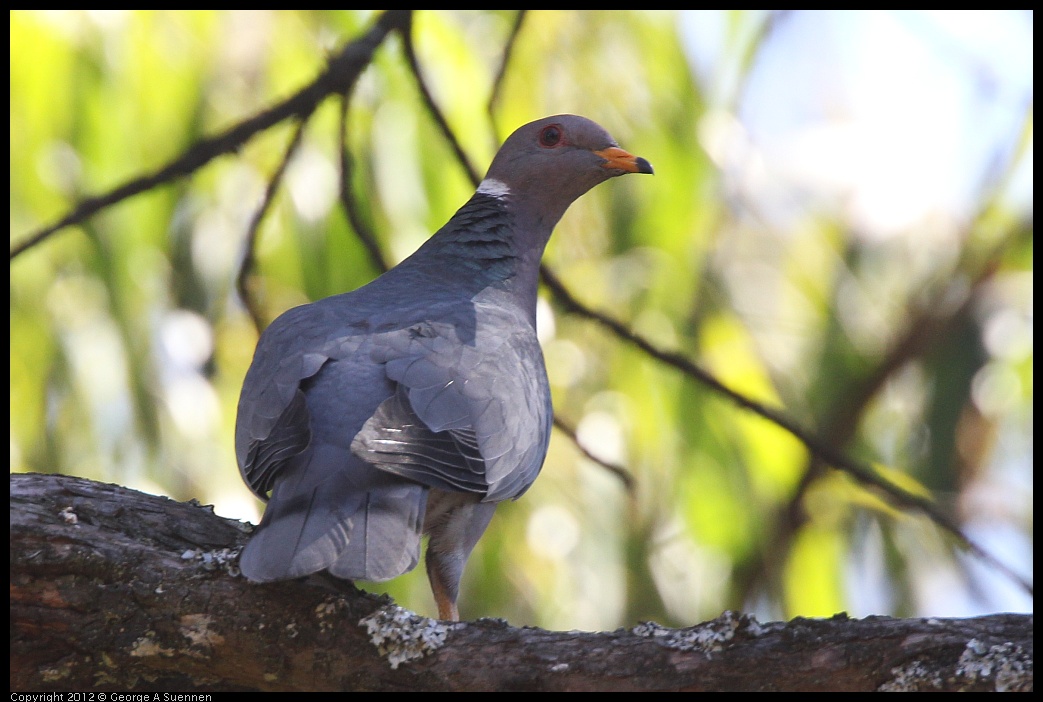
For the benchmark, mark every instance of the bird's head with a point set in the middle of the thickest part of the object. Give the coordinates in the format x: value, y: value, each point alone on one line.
x: 549, y: 163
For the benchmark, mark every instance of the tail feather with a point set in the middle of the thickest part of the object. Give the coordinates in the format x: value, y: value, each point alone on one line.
x: 388, y: 528
x: 345, y: 516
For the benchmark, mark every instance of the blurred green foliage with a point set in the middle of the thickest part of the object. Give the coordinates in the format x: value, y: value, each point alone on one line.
x: 129, y: 344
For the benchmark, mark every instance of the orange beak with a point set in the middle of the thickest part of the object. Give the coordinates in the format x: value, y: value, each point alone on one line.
x: 619, y: 159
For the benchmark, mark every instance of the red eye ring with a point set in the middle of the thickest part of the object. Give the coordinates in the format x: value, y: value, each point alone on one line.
x: 551, y: 136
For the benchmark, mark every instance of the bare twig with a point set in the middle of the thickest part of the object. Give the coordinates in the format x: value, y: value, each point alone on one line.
x: 569, y: 302
x: 619, y: 471
x: 505, y: 58
x: 406, y: 31
x: 347, y: 194
x: 341, y: 72
x: 244, y: 279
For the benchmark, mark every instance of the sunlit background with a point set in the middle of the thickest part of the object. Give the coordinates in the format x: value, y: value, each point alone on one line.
x: 840, y: 226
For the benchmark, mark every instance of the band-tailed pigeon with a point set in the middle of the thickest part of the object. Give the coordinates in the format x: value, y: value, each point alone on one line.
x: 416, y: 403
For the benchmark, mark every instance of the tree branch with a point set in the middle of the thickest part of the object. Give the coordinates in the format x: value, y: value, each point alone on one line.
x: 624, y: 475
x: 505, y: 58
x: 406, y: 31
x: 112, y: 589
x: 245, y: 280
x: 341, y: 72
x: 347, y: 193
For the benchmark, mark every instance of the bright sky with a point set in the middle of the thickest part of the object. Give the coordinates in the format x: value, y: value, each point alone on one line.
x: 898, y: 114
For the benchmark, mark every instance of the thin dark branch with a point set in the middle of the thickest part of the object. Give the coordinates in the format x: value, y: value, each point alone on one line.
x: 505, y: 58
x: 245, y: 277
x: 407, y: 41
x: 351, y: 205
x: 569, y: 302
x: 341, y: 73
x: 823, y: 450
x: 619, y: 471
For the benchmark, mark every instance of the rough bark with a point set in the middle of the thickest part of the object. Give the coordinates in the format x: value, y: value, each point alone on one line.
x: 116, y: 590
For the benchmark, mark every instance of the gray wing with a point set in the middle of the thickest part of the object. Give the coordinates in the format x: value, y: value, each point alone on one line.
x: 471, y: 410
x: 271, y: 421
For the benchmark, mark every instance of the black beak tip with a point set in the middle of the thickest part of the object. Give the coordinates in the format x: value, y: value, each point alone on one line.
x: 643, y: 166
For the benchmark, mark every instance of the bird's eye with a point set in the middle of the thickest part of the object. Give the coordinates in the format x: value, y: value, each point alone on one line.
x: 550, y: 136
